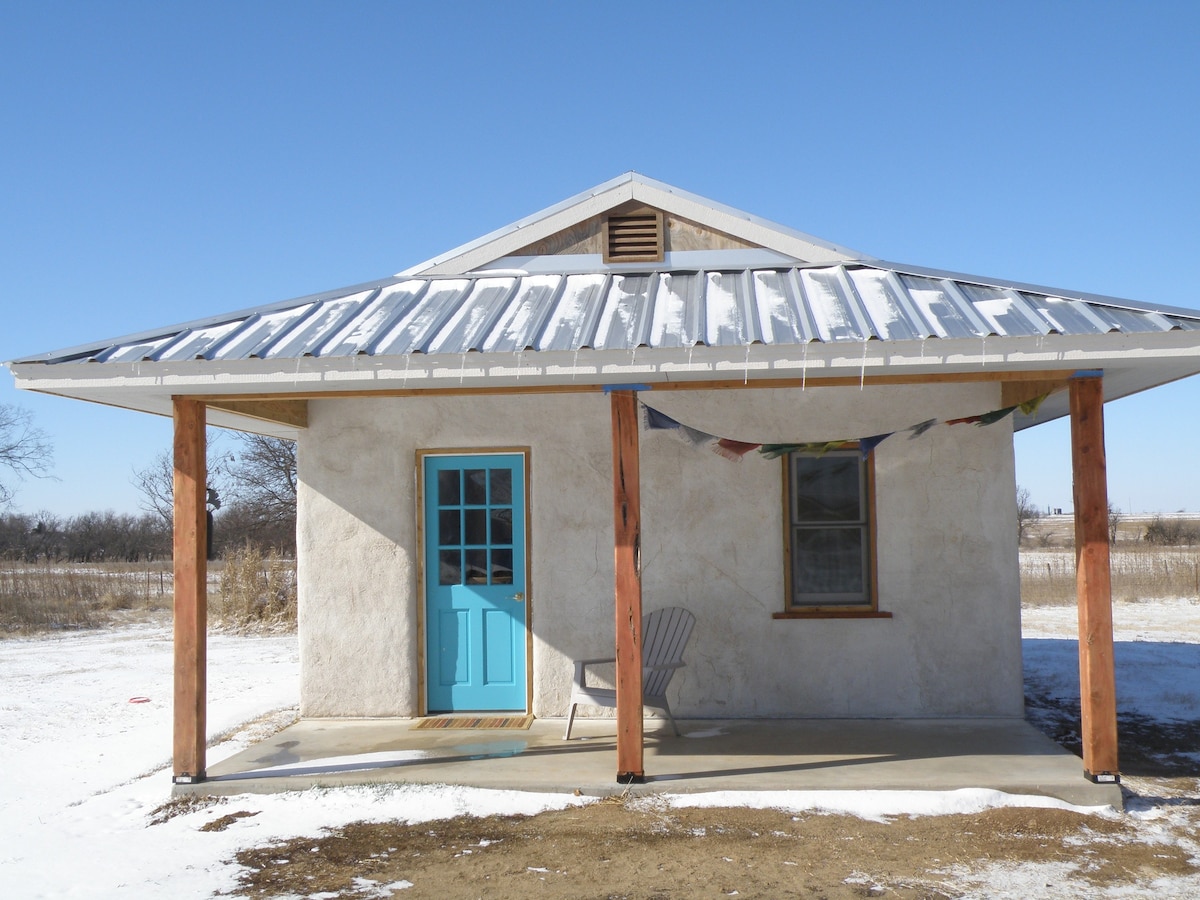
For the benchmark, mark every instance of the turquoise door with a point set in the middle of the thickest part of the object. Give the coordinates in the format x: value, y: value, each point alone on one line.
x: 475, y: 610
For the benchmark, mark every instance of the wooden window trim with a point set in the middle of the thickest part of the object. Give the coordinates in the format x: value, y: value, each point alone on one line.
x: 869, y: 610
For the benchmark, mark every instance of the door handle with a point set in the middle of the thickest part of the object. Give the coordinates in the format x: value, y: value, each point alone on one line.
x: 519, y: 597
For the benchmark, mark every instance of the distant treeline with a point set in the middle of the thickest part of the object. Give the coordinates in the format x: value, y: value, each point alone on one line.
x: 122, y: 537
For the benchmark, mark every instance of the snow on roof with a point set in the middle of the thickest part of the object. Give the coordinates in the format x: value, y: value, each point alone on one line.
x: 623, y: 309
x: 484, y: 315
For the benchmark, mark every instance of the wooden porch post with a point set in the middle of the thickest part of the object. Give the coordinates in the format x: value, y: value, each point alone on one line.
x: 627, y: 547
x: 191, y: 599
x: 1097, y: 677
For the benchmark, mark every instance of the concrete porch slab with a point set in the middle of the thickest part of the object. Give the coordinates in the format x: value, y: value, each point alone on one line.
x: 729, y: 755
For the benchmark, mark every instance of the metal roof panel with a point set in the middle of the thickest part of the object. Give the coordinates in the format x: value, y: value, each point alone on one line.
x: 667, y: 309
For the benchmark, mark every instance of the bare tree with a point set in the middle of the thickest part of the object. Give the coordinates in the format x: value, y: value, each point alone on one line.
x: 1027, y: 513
x: 253, y: 486
x: 157, y: 480
x: 24, y: 448
x: 263, y: 476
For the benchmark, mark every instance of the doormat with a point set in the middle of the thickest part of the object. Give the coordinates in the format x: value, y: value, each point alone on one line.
x: 514, y: 722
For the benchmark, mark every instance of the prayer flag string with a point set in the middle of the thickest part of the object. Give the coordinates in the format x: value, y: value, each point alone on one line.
x: 735, y: 450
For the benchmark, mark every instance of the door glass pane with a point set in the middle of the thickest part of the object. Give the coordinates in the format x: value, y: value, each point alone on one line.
x: 502, y: 572
x: 448, y: 492
x: 450, y: 567
x: 476, y: 481
x: 502, y: 526
x: 501, y: 486
x: 826, y: 488
x: 477, y: 526
x: 449, y: 527
x: 477, y: 567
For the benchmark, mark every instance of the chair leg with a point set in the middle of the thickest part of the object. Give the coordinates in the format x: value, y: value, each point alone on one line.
x: 570, y: 722
x: 671, y: 718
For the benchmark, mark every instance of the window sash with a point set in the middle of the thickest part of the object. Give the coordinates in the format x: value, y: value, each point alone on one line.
x: 829, y: 535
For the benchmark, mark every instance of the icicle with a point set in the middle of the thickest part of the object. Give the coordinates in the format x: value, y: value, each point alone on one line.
x: 746, y: 367
x: 804, y: 367
x: 407, y: 361
x: 575, y: 364
x: 862, y: 372
x: 520, y: 354
x: 462, y: 373
x: 983, y: 351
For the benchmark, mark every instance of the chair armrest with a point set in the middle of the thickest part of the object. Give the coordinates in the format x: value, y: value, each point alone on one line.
x: 594, y: 662
x: 664, y: 666
x: 582, y: 664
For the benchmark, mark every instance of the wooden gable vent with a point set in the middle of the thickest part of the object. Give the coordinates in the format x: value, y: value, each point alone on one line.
x: 634, y: 236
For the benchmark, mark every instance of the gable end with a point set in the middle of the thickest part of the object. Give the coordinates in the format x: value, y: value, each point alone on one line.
x: 590, y: 236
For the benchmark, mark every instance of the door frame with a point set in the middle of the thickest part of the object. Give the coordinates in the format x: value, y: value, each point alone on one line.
x: 422, y: 575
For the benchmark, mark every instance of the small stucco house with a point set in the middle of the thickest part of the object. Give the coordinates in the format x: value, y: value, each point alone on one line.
x: 502, y: 446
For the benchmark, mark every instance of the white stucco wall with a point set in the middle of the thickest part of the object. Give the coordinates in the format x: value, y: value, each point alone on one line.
x: 712, y: 541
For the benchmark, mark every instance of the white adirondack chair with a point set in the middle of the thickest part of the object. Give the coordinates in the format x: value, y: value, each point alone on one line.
x: 665, y: 634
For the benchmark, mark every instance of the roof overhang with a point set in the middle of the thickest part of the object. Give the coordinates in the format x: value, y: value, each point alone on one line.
x: 1130, y: 363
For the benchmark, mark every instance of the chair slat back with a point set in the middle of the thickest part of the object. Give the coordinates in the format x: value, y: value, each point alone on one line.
x: 665, y: 634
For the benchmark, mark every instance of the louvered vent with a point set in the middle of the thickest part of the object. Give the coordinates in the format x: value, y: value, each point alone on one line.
x: 634, y: 237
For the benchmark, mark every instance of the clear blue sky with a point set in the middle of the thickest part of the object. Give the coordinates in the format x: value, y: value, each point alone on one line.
x: 166, y: 161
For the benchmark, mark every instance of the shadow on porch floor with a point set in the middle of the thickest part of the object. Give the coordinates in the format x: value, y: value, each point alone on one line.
x: 712, y: 755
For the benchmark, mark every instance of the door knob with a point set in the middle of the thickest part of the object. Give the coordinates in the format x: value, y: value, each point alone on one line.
x: 519, y: 597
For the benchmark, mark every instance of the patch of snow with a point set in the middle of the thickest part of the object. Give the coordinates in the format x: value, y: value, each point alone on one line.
x: 85, y: 769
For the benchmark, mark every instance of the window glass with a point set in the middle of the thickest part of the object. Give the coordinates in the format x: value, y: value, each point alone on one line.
x: 448, y: 488
x: 477, y: 526
x: 828, y: 561
x: 501, y: 486
x: 827, y: 488
x: 502, y: 525
x: 449, y: 527
x: 477, y: 567
x: 502, y: 572
x: 476, y: 482
x: 829, y: 531
x: 449, y: 567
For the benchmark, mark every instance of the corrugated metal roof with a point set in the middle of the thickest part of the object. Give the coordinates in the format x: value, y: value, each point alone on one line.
x: 506, y: 312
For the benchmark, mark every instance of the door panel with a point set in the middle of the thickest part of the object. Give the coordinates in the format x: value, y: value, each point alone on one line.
x: 475, y: 578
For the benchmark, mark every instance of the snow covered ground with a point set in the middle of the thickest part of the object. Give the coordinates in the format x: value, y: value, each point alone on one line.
x: 85, y: 730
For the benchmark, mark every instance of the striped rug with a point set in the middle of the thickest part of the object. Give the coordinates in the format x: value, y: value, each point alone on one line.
x: 516, y: 722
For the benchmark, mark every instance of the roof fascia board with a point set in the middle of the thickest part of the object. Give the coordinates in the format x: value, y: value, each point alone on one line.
x: 632, y: 186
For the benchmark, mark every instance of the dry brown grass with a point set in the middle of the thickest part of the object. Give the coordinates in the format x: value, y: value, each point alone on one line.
x: 50, y: 597
x: 256, y: 592
x: 247, y: 591
x: 1140, y: 571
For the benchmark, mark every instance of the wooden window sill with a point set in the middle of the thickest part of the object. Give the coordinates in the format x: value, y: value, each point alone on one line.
x: 832, y: 614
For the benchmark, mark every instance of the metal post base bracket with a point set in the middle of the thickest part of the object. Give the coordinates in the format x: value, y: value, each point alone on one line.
x: 631, y: 778
x: 187, y: 779
x: 1103, y: 777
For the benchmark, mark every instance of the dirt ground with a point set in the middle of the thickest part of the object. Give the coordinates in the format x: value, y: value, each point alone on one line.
x: 639, y: 849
